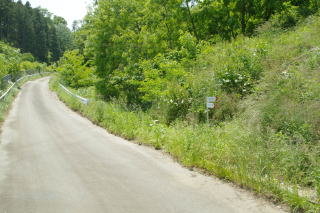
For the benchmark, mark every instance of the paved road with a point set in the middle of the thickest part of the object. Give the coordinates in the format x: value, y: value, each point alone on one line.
x: 53, y: 160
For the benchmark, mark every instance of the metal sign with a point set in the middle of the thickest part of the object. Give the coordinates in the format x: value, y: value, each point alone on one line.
x: 211, y: 99
x: 210, y: 105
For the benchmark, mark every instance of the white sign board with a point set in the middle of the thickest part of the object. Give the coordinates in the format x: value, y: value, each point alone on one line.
x: 210, y: 105
x: 211, y: 99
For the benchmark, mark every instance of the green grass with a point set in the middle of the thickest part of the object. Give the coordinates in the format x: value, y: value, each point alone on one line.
x: 232, y: 152
x: 266, y: 139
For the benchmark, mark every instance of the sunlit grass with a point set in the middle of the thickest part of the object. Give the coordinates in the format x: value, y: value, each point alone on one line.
x: 270, y: 141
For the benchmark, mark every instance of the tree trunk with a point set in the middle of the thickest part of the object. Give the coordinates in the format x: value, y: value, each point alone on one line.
x: 192, y: 21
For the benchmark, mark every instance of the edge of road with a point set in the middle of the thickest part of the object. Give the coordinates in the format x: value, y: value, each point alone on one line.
x: 264, y: 198
x: 11, y: 93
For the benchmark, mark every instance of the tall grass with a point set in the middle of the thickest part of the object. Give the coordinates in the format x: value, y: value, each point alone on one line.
x: 231, y: 151
x: 266, y: 129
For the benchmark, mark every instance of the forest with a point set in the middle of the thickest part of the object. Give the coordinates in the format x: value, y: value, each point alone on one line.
x: 34, y: 30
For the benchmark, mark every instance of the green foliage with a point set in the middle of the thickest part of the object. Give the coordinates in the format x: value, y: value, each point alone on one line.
x: 287, y: 18
x: 234, y: 151
x: 74, y: 71
x: 34, y: 30
x: 13, y: 62
x: 241, y: 67
x: 64, y: 37
x: 291, y: 104
x: 140, y: 46
x: 157, y: 61
x: 8, y: 59
x: 26, y: 66
x: 189, y: 48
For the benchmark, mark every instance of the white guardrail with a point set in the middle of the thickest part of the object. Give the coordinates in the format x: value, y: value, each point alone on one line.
x: 83, y: 100
x: 13, y: 84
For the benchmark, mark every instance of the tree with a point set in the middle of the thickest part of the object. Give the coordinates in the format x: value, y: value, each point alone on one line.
x: 74, y: 71
x: 33, y: 30
x: 59, y: 20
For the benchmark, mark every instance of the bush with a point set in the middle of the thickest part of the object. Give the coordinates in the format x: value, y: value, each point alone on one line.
x: 287, y: 18
x: 74, y: 71
x: 15, y: 63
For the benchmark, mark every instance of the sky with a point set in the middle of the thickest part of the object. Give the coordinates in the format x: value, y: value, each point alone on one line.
x: 70, y: 10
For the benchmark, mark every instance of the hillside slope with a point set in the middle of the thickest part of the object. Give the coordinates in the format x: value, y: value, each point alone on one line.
x: 264, y: 133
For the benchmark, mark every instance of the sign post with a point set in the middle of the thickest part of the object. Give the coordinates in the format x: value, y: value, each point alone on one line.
x: 210, y: 105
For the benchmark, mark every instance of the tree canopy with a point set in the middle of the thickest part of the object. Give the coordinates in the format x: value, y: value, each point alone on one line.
x: 34, y: 30
x: 137, y: 42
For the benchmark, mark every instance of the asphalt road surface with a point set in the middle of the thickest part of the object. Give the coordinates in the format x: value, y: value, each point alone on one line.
x: 53, y: 160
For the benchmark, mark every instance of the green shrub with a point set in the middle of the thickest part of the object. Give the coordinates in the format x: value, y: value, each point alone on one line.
x: 286, y: 18
x: 74, y: 71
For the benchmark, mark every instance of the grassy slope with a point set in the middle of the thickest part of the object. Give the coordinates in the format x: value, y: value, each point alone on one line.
x: 271, y: 146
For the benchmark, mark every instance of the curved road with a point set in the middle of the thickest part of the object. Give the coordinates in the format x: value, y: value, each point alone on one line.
x: 53, y: 160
